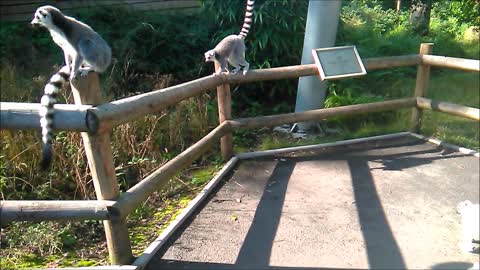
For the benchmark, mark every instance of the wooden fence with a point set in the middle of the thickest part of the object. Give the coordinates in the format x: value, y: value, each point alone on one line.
x: 97, y: 119
x: 22, y: 10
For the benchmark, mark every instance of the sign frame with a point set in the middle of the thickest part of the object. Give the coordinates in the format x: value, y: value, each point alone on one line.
x: 356, y: 60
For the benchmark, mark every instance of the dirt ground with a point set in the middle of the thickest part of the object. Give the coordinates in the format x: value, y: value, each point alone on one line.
x: 386, y: 204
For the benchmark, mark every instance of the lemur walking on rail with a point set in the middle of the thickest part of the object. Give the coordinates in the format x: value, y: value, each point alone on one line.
x: 84, y: 51
x: 232, y: 48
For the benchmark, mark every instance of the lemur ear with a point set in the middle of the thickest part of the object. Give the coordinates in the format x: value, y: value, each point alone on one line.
x: 215, y: 54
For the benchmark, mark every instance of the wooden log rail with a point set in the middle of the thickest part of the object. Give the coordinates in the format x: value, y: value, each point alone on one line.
x: 451, y: 62
x: 68, y: 117
x: 121, y: 111
x: 137, y: 194
x: 449, y: 108
x: 321, y: 114
x: 56, y: 210
x: 113, y: 207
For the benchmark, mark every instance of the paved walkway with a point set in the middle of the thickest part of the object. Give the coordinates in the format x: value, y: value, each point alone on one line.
x: 387, y: 204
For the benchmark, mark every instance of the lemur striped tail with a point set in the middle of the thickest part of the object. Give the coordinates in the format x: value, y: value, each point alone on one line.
x: 49, y: 98
x: 247, y: 22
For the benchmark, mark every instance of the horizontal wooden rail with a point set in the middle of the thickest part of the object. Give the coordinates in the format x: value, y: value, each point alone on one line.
x: 288, y: 118
x: 451, y: 62
x: 14, y: 115
x: 112, y: 114
x: 56, y: 210
x: 136, y: 195
x: 391, y: 62
x: 449, y: 108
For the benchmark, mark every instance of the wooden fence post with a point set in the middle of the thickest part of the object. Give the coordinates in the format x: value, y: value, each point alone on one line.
x: 421, y: 86
x: 224, y: 98
x: 86, y: 90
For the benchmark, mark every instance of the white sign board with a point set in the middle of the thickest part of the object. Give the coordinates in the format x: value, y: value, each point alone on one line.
x: 338, y: 62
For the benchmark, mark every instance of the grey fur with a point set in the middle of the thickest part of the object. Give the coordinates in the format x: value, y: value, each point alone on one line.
x: 84, y: 50
x: 232, y: 48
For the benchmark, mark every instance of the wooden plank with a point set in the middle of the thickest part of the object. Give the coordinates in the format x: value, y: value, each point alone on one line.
x: 224, y: 113
x: 421, y: 86
x: 449, y: 108
x: 151, y: 251
x: 320, y: 114
x: 19, y: 2
x: 86, y: 90
x: 265, y: 153
x: 11, y: 210
x: 460, y: 149
x: 14, y: 115
x: 136, y: 195
x: 391, y: 62
x: 451, y: 62
x: 121, y: 111
x: 24, y: 11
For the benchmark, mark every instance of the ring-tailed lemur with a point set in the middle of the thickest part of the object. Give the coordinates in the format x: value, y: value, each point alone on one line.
x: 84, y: 51
x: 232, y: 47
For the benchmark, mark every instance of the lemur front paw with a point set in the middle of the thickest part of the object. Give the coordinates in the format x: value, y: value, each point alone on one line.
x: 84, y: 71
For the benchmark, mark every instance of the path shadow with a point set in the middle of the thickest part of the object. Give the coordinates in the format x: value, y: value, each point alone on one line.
x: 382, y: 249
x: 257, y: 247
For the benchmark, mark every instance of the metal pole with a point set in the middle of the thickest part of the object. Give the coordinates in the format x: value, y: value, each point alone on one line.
x: 320, y: 32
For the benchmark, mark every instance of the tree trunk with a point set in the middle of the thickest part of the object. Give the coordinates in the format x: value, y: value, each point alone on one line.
x: 420, y: 16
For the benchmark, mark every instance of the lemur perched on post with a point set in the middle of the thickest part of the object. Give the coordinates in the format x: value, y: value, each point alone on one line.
x: 84, y: 51
x: 232, y: 47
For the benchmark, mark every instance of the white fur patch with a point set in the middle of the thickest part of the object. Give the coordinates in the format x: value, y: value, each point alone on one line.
x: 43, y: 111
x: 57, y: 78
x: 65, y: 70
x: 47, y: 100
x: 50, y: 89
x: 44, y: 123
x: 46, y: 139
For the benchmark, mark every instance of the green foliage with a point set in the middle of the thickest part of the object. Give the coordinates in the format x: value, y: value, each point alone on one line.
x: 40, y: 238
x: 459, y: 12
x: 275, y: 39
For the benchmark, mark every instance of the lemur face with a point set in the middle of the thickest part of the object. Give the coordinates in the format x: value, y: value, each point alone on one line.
x: 210, y: 56
x: 44, y: 16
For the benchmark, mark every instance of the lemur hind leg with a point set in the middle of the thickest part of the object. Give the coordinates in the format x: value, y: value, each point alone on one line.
x: 68, y: 61
x: 236, y: 67
x: 77, y: 62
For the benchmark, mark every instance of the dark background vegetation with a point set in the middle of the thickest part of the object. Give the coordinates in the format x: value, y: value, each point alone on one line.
x: 153, y: 50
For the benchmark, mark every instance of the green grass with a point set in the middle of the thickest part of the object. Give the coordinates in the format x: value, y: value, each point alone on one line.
x: 459, y: 88
x: 445, y: 85
x: 77, y: 244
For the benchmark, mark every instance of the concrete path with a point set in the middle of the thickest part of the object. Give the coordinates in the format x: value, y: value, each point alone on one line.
x: 386, y: 204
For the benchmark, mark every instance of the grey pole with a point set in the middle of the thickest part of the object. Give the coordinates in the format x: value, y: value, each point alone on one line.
x: 320, y: 31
